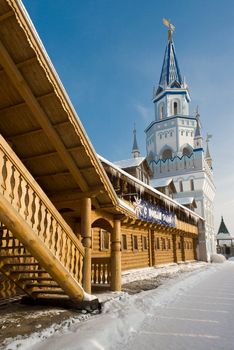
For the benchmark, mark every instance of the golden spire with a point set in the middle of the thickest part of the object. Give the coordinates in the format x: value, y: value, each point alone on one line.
x: 170, y: 27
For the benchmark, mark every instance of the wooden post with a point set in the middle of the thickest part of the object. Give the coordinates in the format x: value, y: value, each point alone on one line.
x: 182, y: 249
x: 86, y: 240
x: 116, y: 257
x: 174, y: 248
x: 150, y: 247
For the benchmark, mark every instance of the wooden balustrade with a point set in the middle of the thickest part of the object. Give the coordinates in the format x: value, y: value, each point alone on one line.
x: 186, y: 227
x: 27, y: 198
x: 101, y: 271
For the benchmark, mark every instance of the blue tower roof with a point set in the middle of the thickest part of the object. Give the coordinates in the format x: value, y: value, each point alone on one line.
x: 170, y: 74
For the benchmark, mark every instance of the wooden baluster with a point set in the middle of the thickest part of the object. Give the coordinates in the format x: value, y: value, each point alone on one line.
x: 4, y: 173
x: 45, y: 223
x: 12, y: 183
x: 15, y: 195
x: 99, y: 273
x: 73, y: 258
x: 47, y: 234
x: 33, y: 209
x: 55, y: 243
x: 20, y: 193
x: 1, y: 171
x: 59, y: 249
x: 26, y: 201
x: 95, y: 273
x: 80, y: 273
x: 68, y: 262
x: 64, y: 249
x: 30, y: 198
x: 104, y: 274
x: 35, y: 218
x: 42, y: 221
x: 8, y: 173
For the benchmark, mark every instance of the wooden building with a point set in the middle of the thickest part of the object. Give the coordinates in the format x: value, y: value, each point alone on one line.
x: 67, y: 222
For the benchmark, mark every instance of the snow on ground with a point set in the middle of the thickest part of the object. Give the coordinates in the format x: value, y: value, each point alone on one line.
x: 122, y: 314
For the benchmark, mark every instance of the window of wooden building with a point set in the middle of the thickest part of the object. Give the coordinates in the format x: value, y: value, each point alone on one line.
x: 179, y: 245
x: 163, y: 244
x: 134, y: 242
x: 144, y: 243
x: 157, y: 244
x: 124, y: 243
x: 168, y: 244
x: 105, y: 240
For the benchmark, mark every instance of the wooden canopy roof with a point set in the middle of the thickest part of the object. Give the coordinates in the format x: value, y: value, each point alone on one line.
x: 39, y: 122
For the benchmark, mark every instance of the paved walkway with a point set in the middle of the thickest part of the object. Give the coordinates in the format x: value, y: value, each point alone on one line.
x: 201, y: 317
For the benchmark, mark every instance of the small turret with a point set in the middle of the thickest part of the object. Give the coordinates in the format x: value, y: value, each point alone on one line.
x: 198, y: 139
x: 135, y: 149
x: 208, y: 156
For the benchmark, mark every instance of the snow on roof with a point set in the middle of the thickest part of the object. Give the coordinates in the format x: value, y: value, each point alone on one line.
x: 141, y: 183
x: 224, y: 236
x: 186, y: 201
x: 128, y: 163
x: 160, y: 182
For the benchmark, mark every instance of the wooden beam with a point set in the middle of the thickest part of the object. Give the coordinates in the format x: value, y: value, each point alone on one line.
x: 39, y: 114
x: 39, y: 156
x: 74, y: 195
x: 22, y: 104
x: 49, y: 154
x: 62, y: 173
x: 6, y: 15
x: 22, y: 63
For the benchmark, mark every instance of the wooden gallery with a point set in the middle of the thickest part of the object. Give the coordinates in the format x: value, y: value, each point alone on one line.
x: 70, y: 219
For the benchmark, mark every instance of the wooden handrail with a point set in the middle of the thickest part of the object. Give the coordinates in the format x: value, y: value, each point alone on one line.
x: 24, y: 194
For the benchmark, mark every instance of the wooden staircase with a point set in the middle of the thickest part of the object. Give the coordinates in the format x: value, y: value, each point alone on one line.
x: 39, y: 253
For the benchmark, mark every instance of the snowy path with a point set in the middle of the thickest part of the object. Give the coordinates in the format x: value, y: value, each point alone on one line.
x: 195, y: 311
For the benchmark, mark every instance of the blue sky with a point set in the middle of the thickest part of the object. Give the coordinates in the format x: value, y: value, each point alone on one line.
x: 109, y: 54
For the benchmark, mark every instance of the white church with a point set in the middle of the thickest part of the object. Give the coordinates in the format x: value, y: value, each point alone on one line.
x: 175, y: 146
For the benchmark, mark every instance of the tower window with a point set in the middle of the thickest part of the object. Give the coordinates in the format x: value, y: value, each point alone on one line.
x: 161, y: 111
x: 181, y: 185
x: 175, y: 106
x: 191, y: 185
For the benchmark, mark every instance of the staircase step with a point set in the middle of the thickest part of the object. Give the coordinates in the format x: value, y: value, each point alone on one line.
x: 22, y: 264
x: 46, y: 291
x: 27, y: 271
x: 46, y: 285
x: 39, y: 278
x: 12, y: 247
x: 15, y: 256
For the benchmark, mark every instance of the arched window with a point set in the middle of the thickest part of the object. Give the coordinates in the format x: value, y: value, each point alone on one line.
x: 191, y: 185
x: 175, y: 107
x: 187, y: 151
x: 167, y: 154
x: 181, y: 186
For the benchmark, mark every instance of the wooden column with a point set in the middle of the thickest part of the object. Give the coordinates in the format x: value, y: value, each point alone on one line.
x: 195, y: 248
x: 150, y: 247
x: 174, y: 246
x: 153, y: 247
x: 86, y: 240
x: 182, y: 249
x: 116, y: 257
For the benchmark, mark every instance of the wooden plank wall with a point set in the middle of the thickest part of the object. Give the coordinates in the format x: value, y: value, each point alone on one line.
x: 134, y: 258
x: 189, y: 248
x: 163, y: 248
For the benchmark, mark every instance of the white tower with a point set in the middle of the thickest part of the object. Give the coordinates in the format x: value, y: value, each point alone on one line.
x: 174, y: 145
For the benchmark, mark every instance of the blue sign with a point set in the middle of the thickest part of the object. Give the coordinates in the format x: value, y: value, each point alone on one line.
x: 152, y: 213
